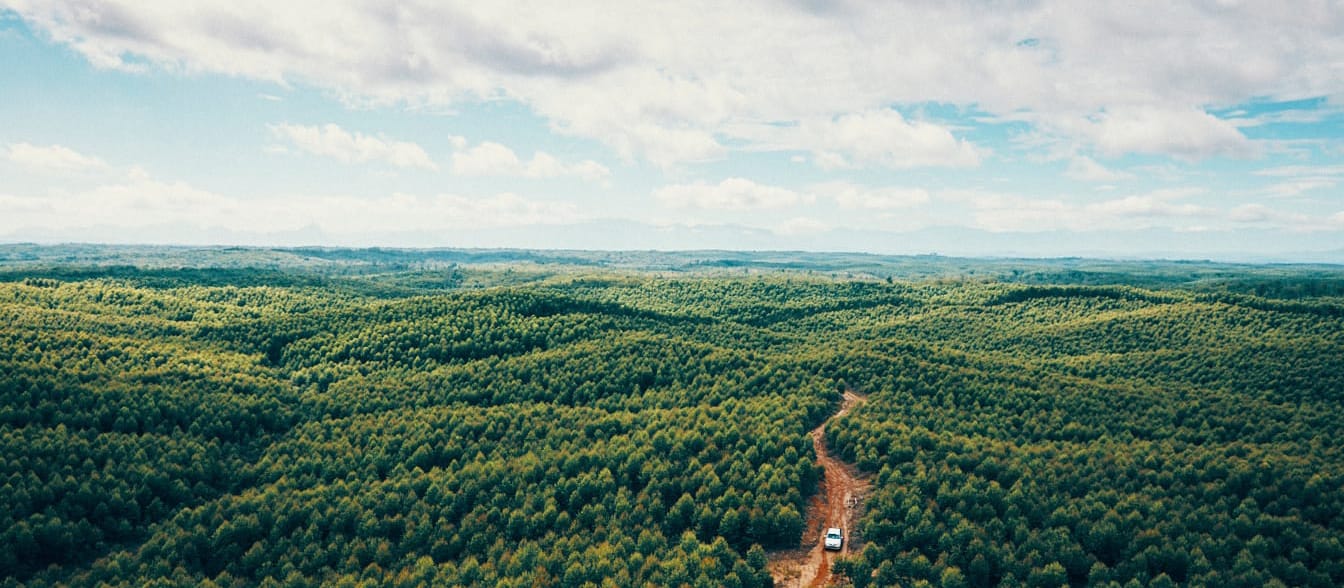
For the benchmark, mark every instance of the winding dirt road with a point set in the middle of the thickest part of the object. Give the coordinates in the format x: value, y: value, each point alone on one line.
x: 836, y: 505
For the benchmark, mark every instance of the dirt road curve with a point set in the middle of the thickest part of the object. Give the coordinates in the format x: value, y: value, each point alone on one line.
x: 836, y: 505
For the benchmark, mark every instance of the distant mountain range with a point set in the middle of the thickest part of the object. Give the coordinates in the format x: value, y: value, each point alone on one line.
x: 1249, y: 245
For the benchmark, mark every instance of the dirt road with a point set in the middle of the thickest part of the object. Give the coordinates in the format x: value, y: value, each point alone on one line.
x: 837, y: 504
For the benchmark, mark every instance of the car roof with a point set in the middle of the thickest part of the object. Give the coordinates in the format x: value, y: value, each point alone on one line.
x: 832, y: 530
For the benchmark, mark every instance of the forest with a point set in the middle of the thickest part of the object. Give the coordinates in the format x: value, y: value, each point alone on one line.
x: 306, y: 417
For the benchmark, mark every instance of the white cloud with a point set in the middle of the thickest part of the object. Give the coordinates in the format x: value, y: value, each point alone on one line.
x: 1186, y: 133
x: 829, y: 160
x: 871, y: 138
x: 853, y: 197
x: 801, y: 226
x: 1010, y: 213
x: 1294, y: 188
x: 588, y: 170
x: 52, y: 158
x: 486, y: 159
x: 136, y: 201
x: 1161, y: 208
x: 1260, y: 215
x: 493, y: 159
x: 884, y: 138
x: 1297, y: 171
x: 408, y: 212
x: 1299, y: 179
x: 1085, y: 169
x: 1251, y: 213
x: 1146, y: 206
x: 1313, y: 115
x: 332, y: 141
x: 663, y: 146
x: 730, y: 194
x: 142, y: 201
x: 1166, y: 209
x: 738, y: 194
x: 1119, y: 77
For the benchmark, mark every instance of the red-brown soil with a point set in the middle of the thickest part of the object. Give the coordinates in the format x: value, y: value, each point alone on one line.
x: 837, y: 504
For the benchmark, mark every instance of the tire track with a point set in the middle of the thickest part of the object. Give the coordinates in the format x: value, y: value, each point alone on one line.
x: 837, y: 504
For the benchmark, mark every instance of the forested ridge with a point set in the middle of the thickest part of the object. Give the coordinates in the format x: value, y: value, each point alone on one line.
x: 460, y: 420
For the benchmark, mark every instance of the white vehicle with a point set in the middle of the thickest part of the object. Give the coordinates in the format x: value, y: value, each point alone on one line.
x: 835, y: 538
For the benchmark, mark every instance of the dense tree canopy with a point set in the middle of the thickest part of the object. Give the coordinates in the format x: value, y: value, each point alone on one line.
x: 287, y: 426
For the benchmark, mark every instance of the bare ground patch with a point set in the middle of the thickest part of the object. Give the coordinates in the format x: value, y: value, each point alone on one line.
x: 838, y: 503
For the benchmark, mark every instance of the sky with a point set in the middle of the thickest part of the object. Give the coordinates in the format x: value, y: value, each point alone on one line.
x: 1210, y: 129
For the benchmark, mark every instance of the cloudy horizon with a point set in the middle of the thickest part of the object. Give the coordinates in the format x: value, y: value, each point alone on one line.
x: 1197, y: 129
